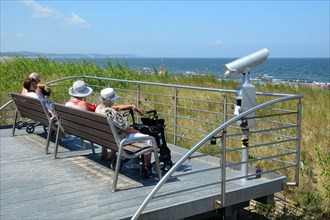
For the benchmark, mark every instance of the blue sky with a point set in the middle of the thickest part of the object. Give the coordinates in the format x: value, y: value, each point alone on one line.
x: 202, y: 29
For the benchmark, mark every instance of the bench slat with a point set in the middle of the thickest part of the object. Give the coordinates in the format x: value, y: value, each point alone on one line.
x: 34, y: 115
x: 83, y: 121
x: 95, y: 139
x: 81, y: 114
x: 136, y: 147
x: 31, y: 104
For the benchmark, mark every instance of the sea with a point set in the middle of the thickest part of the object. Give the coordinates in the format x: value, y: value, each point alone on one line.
x: 304, y: 70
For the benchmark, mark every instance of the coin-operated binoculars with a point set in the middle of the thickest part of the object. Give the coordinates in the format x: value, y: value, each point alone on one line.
x: 245, y: 95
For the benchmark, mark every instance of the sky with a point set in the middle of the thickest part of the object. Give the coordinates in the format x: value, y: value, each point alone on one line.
x: 178, y: 29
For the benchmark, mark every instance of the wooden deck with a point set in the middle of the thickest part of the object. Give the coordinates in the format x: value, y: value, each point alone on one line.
x: 35, y: 186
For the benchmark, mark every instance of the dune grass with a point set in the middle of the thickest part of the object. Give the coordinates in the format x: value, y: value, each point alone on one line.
x: 313, y: 193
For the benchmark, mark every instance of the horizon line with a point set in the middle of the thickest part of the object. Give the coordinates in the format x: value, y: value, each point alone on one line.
x: 133, y: 55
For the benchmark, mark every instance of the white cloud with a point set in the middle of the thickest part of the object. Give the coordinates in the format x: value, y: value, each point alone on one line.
x: 216, y: 43
x: 76, y: 20
x: 20, y: 35
x: 41, y: 11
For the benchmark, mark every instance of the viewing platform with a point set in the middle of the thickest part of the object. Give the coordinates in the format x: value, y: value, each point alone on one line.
x: 78, y: 184
x: 219, y: 166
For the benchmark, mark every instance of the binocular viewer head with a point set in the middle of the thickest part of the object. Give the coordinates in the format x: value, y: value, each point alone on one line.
x: 244, y: 64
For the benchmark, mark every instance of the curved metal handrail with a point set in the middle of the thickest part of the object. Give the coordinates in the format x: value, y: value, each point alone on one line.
x: 164, y: 84
x: 151, y: 83
x: 5, y: 105
x: 203, y: 141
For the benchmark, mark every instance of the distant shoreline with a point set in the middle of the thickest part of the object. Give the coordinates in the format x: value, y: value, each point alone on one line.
x: 288, y: 71
x: 29, y: 54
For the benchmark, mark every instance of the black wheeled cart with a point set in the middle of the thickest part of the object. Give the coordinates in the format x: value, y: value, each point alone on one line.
x: 153, y: 126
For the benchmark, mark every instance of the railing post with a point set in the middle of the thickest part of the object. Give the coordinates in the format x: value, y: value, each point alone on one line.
x: 14, y: 123
x: 138, y: 96
x: 225, y: 108
x: 175, y: 111
x: 223, y: 168
x: 245, y: 153
x: 298, y: 134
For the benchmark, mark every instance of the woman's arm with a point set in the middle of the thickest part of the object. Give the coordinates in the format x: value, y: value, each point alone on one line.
x: 127, y: 107
x: 130, y: 130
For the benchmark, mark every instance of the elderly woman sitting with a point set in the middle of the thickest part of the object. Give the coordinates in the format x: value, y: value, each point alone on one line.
x: 107, y: 107
x: 79, y: 91
x: 30, y: 85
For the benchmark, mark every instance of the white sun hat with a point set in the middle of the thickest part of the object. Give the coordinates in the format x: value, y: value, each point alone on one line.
x: 79, y: 89
x: 108, y: 94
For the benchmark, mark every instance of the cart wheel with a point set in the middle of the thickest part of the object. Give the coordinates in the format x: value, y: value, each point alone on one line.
x: 30, y: 129
x: 19, y: 125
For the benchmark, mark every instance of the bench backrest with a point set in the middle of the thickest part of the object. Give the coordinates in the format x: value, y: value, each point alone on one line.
x: 86, y: 125
x: 31, y: 108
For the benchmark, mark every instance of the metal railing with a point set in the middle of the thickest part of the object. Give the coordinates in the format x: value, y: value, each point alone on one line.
x: 201, y: 119
x: 222, y: 129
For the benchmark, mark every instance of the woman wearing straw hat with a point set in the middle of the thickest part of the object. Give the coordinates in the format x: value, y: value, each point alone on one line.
x: 79, y: 91
x: 106, y: 107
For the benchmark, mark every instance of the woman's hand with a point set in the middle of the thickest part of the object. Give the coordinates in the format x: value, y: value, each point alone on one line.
x: 43, y: 86
x: 138, y: 110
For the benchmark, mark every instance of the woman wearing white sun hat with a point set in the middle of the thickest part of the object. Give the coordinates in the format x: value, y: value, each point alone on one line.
x: 106, y: 107
x: 79, y: 91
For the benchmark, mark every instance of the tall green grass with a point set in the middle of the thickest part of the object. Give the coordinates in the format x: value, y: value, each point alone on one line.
x: 313, y: 193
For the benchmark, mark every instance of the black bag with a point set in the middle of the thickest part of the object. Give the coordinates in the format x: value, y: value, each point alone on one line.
x: 156, y: 127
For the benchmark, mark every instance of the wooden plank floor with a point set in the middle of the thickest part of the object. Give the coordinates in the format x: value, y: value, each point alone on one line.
x: 35, y: 186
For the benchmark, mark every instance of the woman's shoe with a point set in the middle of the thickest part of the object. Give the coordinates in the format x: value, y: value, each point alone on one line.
x: 113, y: 164
x: 135, y: 166
x: 105, y: 157
x: 145, y: 171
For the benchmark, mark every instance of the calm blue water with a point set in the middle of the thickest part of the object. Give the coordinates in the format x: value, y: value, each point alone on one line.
x: 302, y: 69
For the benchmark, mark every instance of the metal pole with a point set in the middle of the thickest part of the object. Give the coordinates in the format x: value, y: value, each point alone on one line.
x: 245, y: 153
x: 225, y: 108
x: 5, y: 105
x: 138, y: 96
x: 223, y: 168
x: 298, y: 134
x: 175, y: 112
x: 14, y: 122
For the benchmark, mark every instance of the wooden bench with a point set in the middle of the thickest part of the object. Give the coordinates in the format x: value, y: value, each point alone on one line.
x: 99, y: 129
x: 33, y: 109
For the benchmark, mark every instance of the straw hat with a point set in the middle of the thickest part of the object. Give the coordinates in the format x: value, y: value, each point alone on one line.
x: 108, y: 94
x: 79, y: 89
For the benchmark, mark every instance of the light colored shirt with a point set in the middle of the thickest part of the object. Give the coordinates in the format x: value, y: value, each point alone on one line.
x: 120, y: 122
x: 34, y: 95
x: 75, y: 104
x: 39, y: 97
x: 72, y: 105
